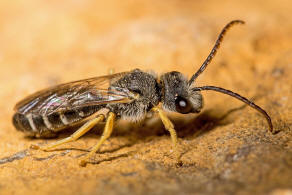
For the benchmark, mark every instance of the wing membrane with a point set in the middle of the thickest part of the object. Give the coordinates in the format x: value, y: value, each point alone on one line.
x: 93, y: 91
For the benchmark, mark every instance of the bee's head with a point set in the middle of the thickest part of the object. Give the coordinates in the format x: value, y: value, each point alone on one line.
x: 177, y: 96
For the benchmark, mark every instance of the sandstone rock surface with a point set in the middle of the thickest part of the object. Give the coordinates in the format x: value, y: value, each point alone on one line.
x: 226, y: 148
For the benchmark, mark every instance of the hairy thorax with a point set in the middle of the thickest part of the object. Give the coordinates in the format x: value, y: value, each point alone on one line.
x: 148, y: 90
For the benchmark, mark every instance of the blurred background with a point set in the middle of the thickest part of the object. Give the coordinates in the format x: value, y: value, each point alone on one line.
x: 43, y: 43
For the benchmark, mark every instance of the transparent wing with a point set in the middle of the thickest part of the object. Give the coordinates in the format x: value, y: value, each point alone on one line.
x: 93, y: 91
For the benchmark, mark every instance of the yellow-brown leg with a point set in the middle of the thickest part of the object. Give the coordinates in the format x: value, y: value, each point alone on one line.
x: 170, y: 127
x: 105, y: 135
x: 81, y: 131
x: 111, y: 71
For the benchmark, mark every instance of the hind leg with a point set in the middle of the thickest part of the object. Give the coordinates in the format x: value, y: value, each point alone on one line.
x: 81, y: 131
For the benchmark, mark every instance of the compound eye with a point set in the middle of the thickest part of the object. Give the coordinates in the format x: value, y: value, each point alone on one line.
x: 182, y: 105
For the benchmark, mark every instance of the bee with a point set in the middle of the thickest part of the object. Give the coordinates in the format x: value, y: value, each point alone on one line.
x: 127, y: 95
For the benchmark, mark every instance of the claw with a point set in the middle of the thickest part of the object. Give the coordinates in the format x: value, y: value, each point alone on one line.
x: 83, y: 163
x: 34, y: 147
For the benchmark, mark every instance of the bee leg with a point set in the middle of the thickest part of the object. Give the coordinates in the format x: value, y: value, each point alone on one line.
x: 170, y: 127
x: 111, y: 71
x: 105, y: 135
x: 81, y: 131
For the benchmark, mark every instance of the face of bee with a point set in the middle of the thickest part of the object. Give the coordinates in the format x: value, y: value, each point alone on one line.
x: 177, y: 96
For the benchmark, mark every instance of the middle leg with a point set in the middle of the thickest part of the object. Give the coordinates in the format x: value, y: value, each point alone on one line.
x: 105, y: 135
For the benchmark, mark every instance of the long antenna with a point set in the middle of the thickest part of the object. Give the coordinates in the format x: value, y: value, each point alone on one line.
x: 214, y: 50
x: 239, y: 97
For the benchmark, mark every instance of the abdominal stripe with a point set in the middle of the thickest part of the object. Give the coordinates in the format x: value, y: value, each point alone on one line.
x: 64, y: 119
x: 31, y: 122
x: 47, y: 122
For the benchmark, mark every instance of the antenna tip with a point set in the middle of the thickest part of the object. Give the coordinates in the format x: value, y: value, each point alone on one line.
x: 235, y: 22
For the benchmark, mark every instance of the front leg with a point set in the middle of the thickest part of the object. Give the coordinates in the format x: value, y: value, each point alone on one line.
x: 170, y: 127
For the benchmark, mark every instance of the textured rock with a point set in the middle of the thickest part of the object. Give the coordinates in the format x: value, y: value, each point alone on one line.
x: 226, y: 148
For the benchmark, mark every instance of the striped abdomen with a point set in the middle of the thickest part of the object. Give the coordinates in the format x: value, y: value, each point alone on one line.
x: 44, y: 125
